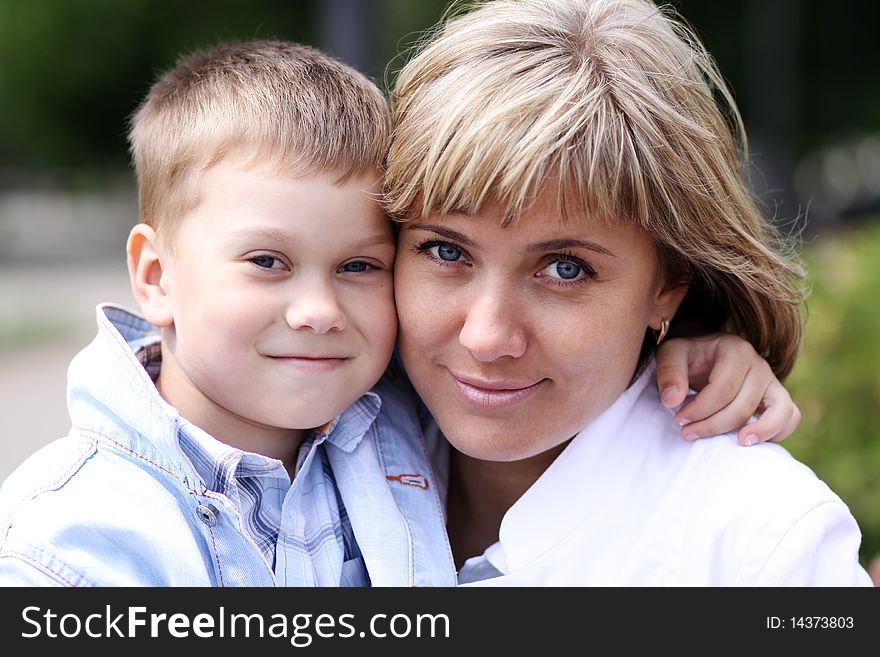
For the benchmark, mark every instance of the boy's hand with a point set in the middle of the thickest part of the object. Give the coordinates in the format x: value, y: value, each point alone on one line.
x: 734, y: 383
x: 874, y: 569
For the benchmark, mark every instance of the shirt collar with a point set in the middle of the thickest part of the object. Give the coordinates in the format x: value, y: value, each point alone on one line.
x: 112, y: 396
x: 348, y: 428
x: 219, y: 464
x: 569, y: 490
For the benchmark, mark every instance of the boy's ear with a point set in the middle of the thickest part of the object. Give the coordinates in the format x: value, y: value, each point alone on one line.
x: 145, y: 273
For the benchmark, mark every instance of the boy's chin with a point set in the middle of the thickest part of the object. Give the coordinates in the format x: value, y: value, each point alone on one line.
x: 307, y: 422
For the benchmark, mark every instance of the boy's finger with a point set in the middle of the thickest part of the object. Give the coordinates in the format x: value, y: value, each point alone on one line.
x: 777, y: 394
x: 768, y: 427
x: 789, y: 428
x: 717, y: 396
x: 735, y: 414
x: 672, y: 372
x: 778, y: 419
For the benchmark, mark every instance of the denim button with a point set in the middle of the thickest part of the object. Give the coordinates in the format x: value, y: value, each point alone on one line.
x: 207, y: 513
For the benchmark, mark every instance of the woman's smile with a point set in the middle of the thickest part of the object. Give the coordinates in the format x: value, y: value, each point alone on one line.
x: 499, y: 393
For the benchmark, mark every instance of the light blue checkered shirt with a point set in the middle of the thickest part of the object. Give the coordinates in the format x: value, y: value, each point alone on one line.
x: 301, y: 527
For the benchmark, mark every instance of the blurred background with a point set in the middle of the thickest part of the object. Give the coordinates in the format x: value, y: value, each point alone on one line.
x: 805, y: 74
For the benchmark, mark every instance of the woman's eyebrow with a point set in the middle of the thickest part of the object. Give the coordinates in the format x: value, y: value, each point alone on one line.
x: 448, y: 233
x: 567, y: 243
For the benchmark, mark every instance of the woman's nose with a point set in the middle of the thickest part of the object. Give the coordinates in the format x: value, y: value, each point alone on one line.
x: 493, y: 328
x: 316, y: 307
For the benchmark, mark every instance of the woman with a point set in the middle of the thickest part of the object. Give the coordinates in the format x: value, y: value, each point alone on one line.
x: 568, y: 177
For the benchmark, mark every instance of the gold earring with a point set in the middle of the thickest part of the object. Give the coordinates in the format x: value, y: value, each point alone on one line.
x: 664, y: 328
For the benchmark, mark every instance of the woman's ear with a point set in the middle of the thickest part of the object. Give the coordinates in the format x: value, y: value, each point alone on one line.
x: 146, y: 275
x: 667, y: 301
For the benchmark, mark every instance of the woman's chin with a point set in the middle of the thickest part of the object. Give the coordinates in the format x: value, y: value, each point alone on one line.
x: 502, y: 448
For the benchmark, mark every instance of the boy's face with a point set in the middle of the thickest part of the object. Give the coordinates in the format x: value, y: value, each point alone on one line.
x: 282, y: 301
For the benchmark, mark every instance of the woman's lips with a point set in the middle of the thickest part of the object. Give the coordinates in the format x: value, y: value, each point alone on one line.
x: 500, y: 394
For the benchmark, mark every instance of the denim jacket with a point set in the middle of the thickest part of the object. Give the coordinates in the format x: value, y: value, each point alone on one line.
x: 117, y: 503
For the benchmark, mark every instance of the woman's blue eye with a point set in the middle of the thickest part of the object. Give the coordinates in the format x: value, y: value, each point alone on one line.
x: 446, y: 252
x: 567, y: 271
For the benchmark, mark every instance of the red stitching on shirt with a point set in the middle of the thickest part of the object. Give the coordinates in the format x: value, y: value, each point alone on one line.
x: 213, y: 540
x: 437, y: 503
x: 126, y: 449
x: 412, y: 549
x: 416, y: 480
x: 76, y: 464
x: 39, y: 564
x: 216, y: 556
x: 159, y: 467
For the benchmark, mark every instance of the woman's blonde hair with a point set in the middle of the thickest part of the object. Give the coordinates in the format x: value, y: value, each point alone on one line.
x: 617, y: 106
x: 274, y: 102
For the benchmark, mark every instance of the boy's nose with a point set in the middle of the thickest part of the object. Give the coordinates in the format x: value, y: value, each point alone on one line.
x: 316, y: 309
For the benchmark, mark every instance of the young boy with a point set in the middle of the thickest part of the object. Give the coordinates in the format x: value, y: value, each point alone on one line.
x: 265, y: 262
x: 262, y: 267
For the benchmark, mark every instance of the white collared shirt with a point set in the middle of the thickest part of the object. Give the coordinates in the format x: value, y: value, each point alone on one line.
x: 629, y: 503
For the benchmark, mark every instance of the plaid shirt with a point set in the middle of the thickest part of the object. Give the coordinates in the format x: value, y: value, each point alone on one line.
x: 301, y: 527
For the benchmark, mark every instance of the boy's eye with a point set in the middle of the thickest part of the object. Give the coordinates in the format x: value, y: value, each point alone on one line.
x: 356, y: 267
x: 267, y: 262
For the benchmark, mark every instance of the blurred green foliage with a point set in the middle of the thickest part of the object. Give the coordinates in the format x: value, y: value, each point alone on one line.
x: 73, y: 71
x: 20, y: 332
x: 836, y: 381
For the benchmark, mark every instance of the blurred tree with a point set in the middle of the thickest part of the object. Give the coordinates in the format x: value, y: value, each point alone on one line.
x: 402, y: 24
x: 73, y: 71
x: 836, y: 381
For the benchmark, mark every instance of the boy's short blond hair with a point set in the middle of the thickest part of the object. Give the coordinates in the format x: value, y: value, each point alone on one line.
x: 615, y: 106
x: 277, y: 103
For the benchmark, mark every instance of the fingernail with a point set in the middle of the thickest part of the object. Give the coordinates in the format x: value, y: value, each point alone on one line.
x: 690, y: 435
x: 683, y: 421
x: 669, y: 393
x: 750, y: 439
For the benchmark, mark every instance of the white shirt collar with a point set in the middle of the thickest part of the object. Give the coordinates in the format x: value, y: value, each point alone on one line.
x: 546, y: 513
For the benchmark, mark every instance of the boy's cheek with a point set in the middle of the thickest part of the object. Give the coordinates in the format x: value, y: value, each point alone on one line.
x: 384, y: 331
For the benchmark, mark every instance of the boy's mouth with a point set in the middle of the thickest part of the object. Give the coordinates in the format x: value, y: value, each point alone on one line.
x: 311, y: 363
